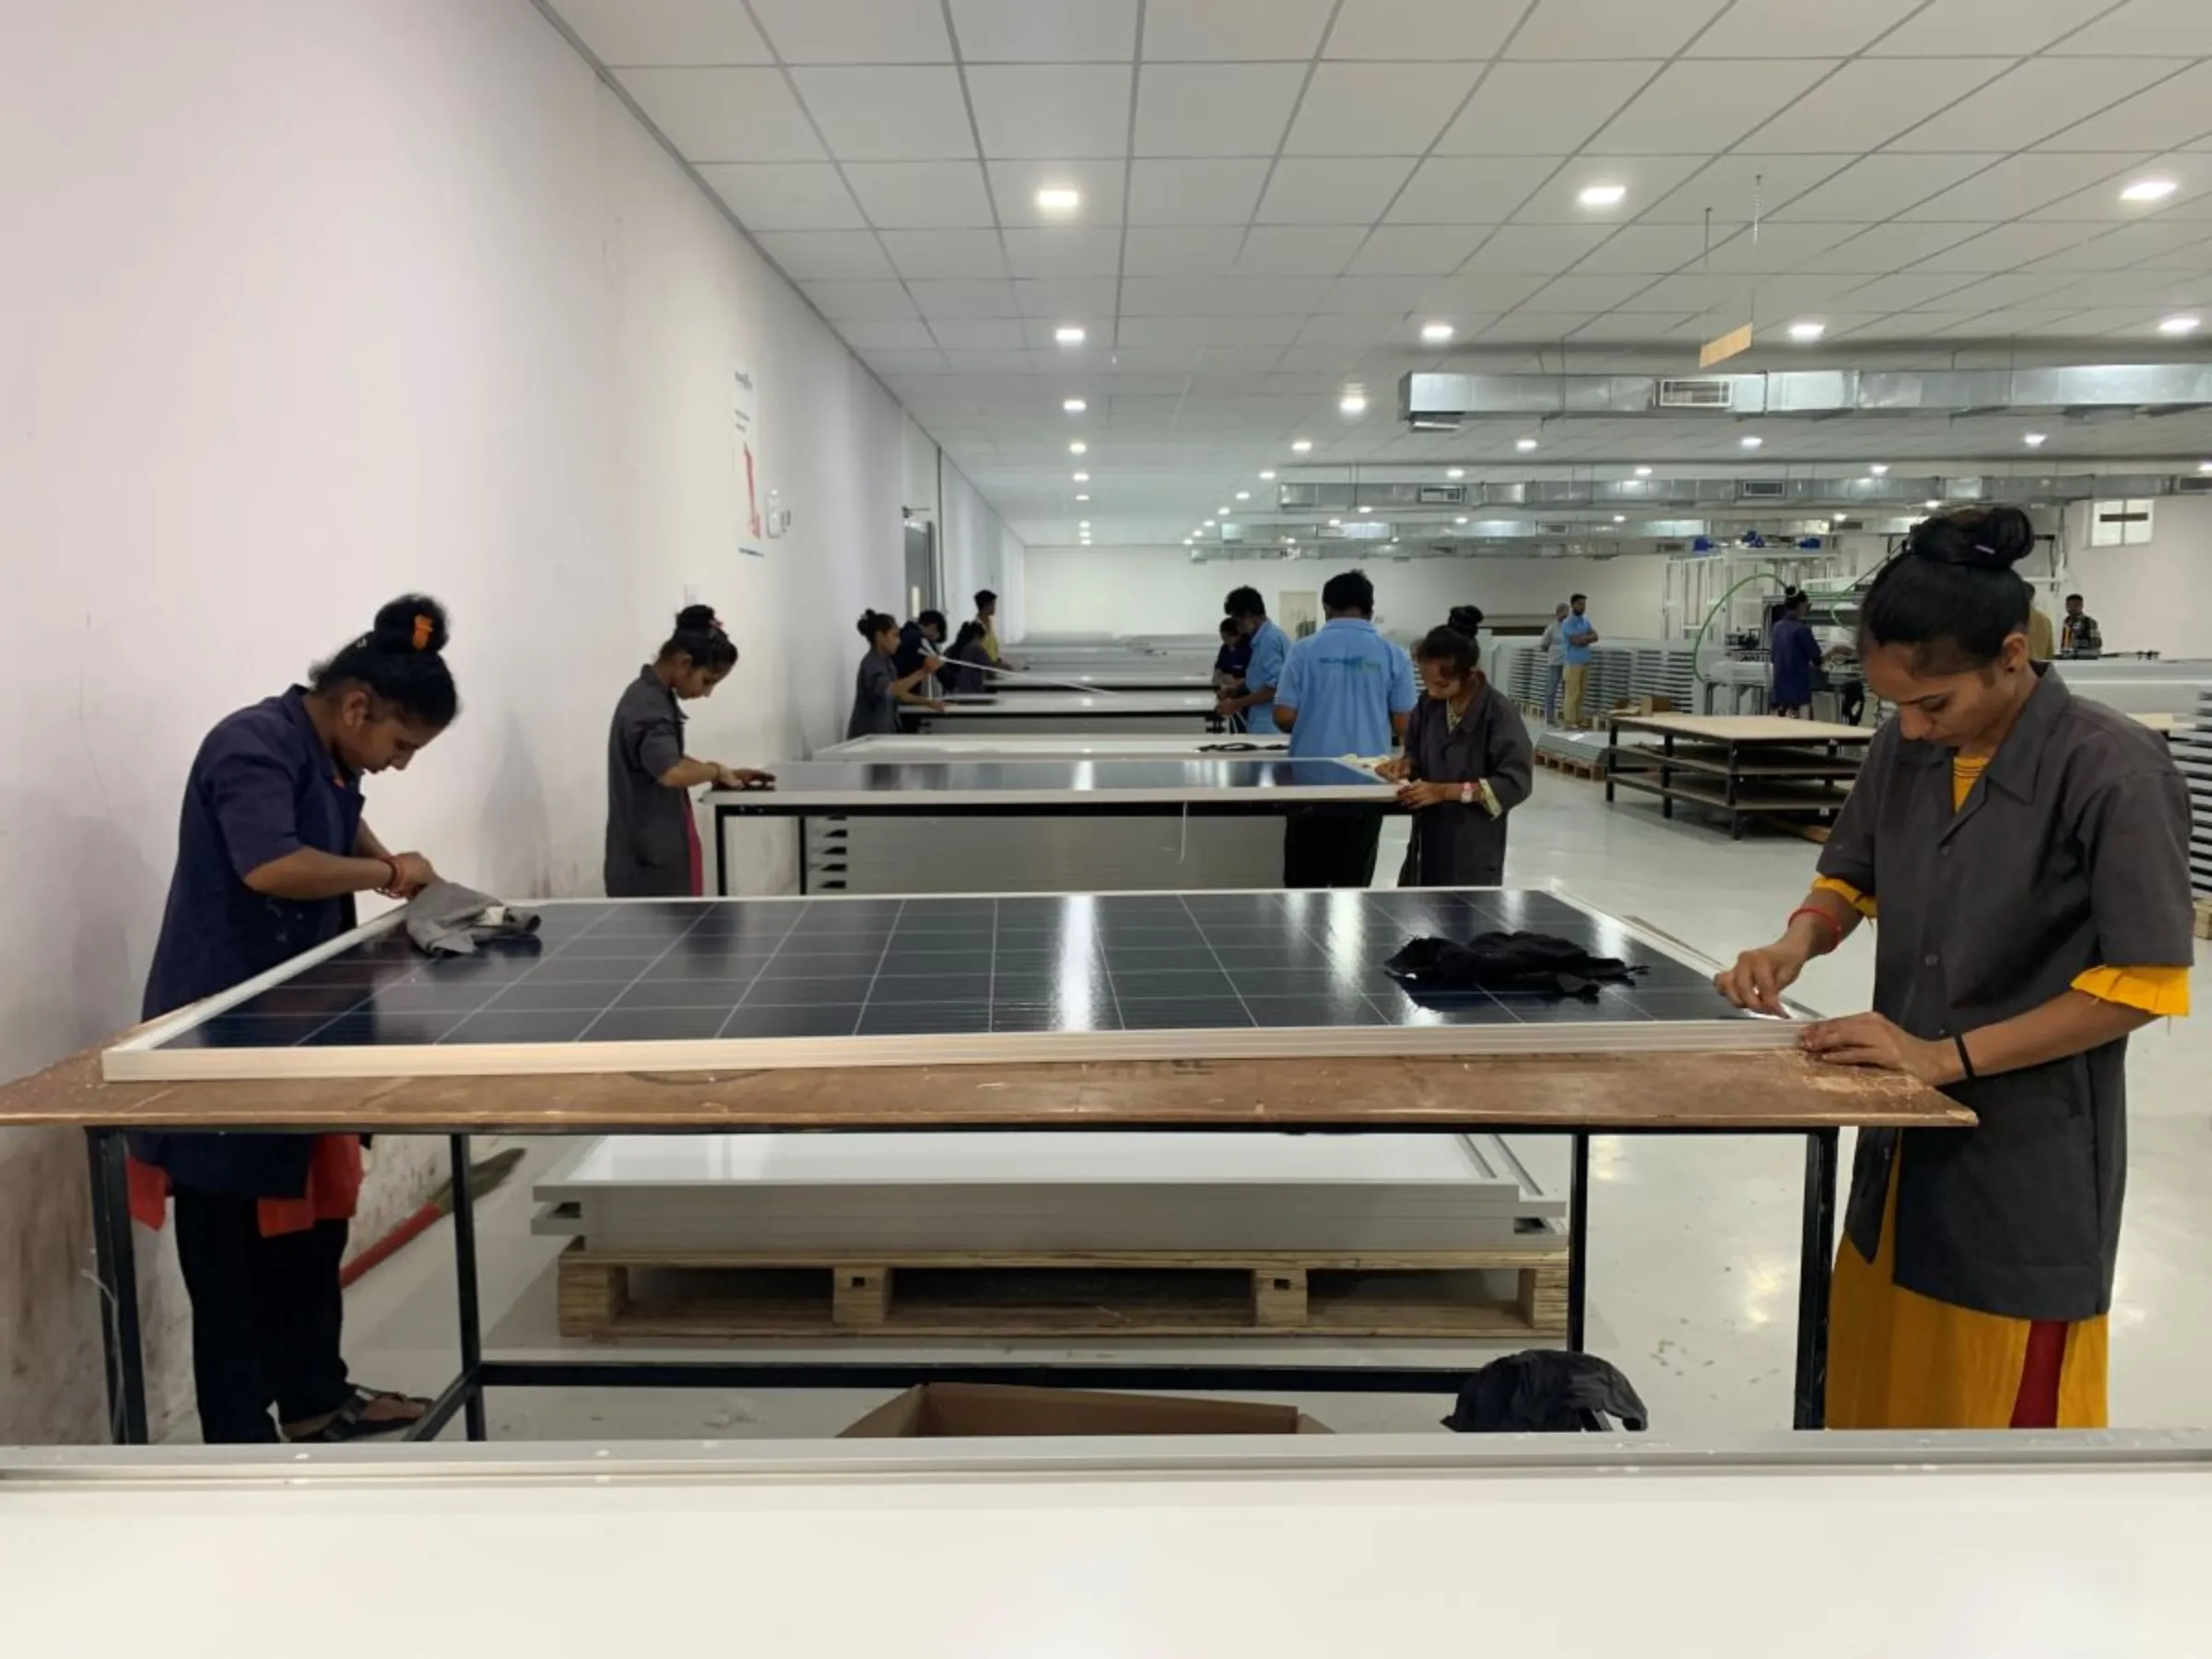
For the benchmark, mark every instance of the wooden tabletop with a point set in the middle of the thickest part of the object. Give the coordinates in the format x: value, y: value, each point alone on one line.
x: 1744, y: 728
x: 1764, y: 1090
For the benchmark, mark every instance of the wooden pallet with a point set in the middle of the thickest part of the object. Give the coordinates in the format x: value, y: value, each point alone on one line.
x: 608, y: 1296
x: 2203, y: 910
x: 1572, y: 769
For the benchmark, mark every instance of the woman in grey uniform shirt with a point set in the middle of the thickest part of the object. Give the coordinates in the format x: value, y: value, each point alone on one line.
x: 877, y: 689
x: 2028, y: 855
x: 652, y: 849
x: 1467, y: 763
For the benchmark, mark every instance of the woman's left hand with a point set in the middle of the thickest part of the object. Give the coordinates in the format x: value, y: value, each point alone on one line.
x: 1877, y: 1040
x: 1427, y: 795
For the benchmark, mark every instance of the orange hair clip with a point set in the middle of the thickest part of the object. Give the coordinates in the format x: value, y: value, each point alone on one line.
x: 424, y: 627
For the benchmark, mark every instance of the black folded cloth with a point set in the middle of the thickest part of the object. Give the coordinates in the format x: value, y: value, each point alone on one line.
x: 1508, y: 962
x: 1547, y: 1391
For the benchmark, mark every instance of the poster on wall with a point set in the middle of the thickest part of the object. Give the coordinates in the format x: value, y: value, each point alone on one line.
x: 752, y: 538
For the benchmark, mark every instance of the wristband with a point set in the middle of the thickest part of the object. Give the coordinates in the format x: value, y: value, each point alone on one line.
x: 1819, y: 915
x: 1966, y: 1061
x: 392, y: 865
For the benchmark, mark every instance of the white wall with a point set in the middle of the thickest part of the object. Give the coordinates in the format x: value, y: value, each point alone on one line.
x: 1160, y: 591
x: 2155, y: 596
x: 306, y: 302
x: 977, y: 551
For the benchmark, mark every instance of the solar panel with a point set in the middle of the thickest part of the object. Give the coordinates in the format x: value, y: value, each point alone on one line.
x: 619, y: 985
x: 1257, y: 783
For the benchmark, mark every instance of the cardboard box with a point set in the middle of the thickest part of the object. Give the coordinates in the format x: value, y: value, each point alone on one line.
x: 978, y: 1411
x: 1646, y: 705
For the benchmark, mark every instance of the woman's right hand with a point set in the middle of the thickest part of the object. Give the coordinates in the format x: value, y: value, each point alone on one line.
x: 1760, y: 977
x: 1396, y: 770
x: 413, y: 874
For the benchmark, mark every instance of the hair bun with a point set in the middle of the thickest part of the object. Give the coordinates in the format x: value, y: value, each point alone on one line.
x: 411, y: 622
x: 1989, y: 539
x: 697, y: 618
x: 1465, y: 619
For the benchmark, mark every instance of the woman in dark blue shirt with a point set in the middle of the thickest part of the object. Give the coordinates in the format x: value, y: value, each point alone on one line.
x: 271, y: 851
x: 1795, y: 654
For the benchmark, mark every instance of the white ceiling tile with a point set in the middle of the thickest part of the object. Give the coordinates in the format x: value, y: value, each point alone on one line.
x: 1877, y: 250
x: 1335, y: 190
x: 1461, y: 297
x: 1866, y: 103
x: 1541, y: 109
x: 930, y: 253
x: 921, y: 195
x: 1879, y: 187
x: 856, y: 31
x: 809, y: 255
x: 1586, y: 293
x: 1091, y: 252
x: 1536, y: 250
x: 1273, y: 296
x: 1998, y: 293
x: 2006, y: 248
x: 2041, y: 97
x: 1975, y: 27
x: 1729, y: 185
x: 1606, y: 29
x: 1773, y: 247
x: 905, y: 334
x: 1195, y: 192
x: 1215, y: 109
x: 2102, y: 202
x: 1626, y: 328
x: 1780, y: 28
x: 885, y: 361
x: 1785, y: 298
x: 725, y: 114
x: 1346, y: 329
x: 627, y: 33
x: 2165, y: 117
x: 1375, y: 295
x: 1698, y: 107
x: 964, y: 298
x: 2156, y: 29
x: 1299, y: 250
x: 2017, y: 185
x: 2009, y: 324
x: 1420, y: 31
x: 1689, y: 292
x: 1644, y: 249
x: 1181, y: 252
x: 978, y: 334
x: 986, y: 359
x: 843, y: 301
x: 1045, y: 31
x: 1237, y: 360
x: 1332, y: 360
x: 785, y: 195
x: 1210, y: 331
x: 1647, y: 179
x: 1911, y: 290
x: 889, y: 114
x: 1167, y: 296
x: 1051, y: 110
x: 1058, y: 299
x: 2126, y: 246
x: 1238, y: 30
x: 1378, y: 109
x: 1416, y: 250
x: 1015, y: 185
x: 1470, y: 190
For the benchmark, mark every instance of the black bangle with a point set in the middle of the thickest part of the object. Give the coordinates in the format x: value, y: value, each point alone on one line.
x: 1966, y: 1061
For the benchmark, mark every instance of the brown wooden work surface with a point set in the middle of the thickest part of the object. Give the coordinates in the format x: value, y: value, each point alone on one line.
x: 1776, y: 1089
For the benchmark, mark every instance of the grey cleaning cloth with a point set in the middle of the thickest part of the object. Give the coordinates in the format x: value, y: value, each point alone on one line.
x: 447, y: 920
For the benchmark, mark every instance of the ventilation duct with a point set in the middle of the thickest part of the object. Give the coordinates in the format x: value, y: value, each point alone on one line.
x: 1327, y: 497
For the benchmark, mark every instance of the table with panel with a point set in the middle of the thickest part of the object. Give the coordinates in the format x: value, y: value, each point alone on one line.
x: 1045, y: 713
x: 1066, y: 746
x: 1256, y: 1012
x: 1008, y: 825
x: 1740, y: 766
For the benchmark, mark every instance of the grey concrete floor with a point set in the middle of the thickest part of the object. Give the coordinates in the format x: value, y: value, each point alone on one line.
x: 1693, y: 1241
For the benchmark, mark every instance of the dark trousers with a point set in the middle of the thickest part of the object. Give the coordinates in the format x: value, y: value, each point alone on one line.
x: 1323, y: 849
x: 265, y: 1318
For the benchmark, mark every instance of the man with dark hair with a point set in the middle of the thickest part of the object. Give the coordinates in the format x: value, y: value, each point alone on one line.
x: 1262, y: 668
x: 918, y: 642
x: 1576, y: 634
x: 986, y: 612
x: 2079, y: 636
x: 1346, y: 690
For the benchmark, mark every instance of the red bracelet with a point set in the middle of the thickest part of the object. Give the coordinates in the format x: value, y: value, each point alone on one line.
x: 1818, y: 914
x: 392, y: 865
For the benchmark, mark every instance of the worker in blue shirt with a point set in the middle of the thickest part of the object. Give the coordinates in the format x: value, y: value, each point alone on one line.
x: 1270, y: 648
x: 1348, y: 691
x: 1576, y: 634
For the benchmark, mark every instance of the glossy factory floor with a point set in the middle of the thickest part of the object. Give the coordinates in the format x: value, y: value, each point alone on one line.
x: 1693, y: 1241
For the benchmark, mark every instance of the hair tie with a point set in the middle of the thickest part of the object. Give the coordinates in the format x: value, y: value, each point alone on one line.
x: 424, y: 629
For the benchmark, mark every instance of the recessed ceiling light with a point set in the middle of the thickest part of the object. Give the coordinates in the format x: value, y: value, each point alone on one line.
x: 1878, y: 468
x: 1353, y: 402
x: 1289, y: 542
x: 1301, y: 445
x: 1436, y: 333
x: 1932, y: 506
x: 1068, y: 336
x: 1243, y: 495
x: 2203, y: 467
x: 1749, y: 441
x: 1644, y: 472
x: 1075, y: 406
x: 2034, y: 439
x: 1456, y: 472
x: 1338, y: 523
x: 2149, y: 190
x: 1620, y: 518
x: 1077, y: 447
x: 1189, y: 540
x: 1602, y: 195
x: 1807, y: 331
x: 1460, y: 520
x: 1081, y: 477
x: 1267, y: 476
x: 1367, y: 509
x: 1058, y: 199
x: 1082, y: 497
x: 1524, y: 444
x: 2180, y: 326
x: 1084, y: 526
x: 1222, y: 511
x: 1207, y: 525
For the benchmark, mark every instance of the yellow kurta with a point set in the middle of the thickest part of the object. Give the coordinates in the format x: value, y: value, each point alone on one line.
x: 1898, y: 1360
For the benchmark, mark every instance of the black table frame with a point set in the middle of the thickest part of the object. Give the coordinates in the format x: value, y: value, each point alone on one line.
x: 114, y: 1252
x: 1665, y: 764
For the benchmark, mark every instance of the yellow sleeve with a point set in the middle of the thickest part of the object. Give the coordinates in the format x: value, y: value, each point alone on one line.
x: 1849, y: 895
x: 2161, y: 991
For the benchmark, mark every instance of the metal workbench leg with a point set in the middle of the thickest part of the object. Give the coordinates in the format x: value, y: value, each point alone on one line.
x: 464, y: 1282
x: 721, y: 854
x: 1815, y: 1253
x: 116, y: 1274
x: 1612, y: 751
x: 1666, y: 775
x: 801, y: 855
x: 1578, y: 1236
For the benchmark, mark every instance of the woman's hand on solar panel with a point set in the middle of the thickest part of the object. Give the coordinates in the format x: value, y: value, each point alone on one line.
x: 1427, y: 795
x: 411, y: 873
x: 1396, y: 770
x: 1760, y: 977
x: 739, y: 777
x: 1877, y: 1040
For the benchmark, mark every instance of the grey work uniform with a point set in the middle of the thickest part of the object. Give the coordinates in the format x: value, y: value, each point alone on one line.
x: 2072, y: 852
x: 1454, y: 845
x: 875, y: 710
x: 649, y: 825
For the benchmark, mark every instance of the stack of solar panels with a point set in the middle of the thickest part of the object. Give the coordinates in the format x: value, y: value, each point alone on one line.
x: 764, y: 1193
x: 2192, y: 748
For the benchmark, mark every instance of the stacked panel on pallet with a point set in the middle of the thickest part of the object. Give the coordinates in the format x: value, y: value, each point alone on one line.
x: 2192, y: 753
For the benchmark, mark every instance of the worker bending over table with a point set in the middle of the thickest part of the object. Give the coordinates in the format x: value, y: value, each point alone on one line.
x: 880, y: 689
x: 2028, y: 851
x: 1345, y: 690
x: 1468, y: 762
x: 652, y: 847
x: 271, y: 851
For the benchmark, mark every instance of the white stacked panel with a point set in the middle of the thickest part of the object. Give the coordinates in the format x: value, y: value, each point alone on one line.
x: 1046, y: 853
x: 2192, y: 748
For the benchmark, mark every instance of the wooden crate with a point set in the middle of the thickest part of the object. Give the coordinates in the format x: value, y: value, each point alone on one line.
x: 610, y: 1296
x: 2203, y: 918
x: 1589, y: 771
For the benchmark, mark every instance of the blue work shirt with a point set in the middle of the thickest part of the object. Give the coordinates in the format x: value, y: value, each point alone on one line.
x: 1345, y: 682
x: 1574, y: 640
x: 1270, y: 652
x: 1795, y: 654
x: 262, y: 786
